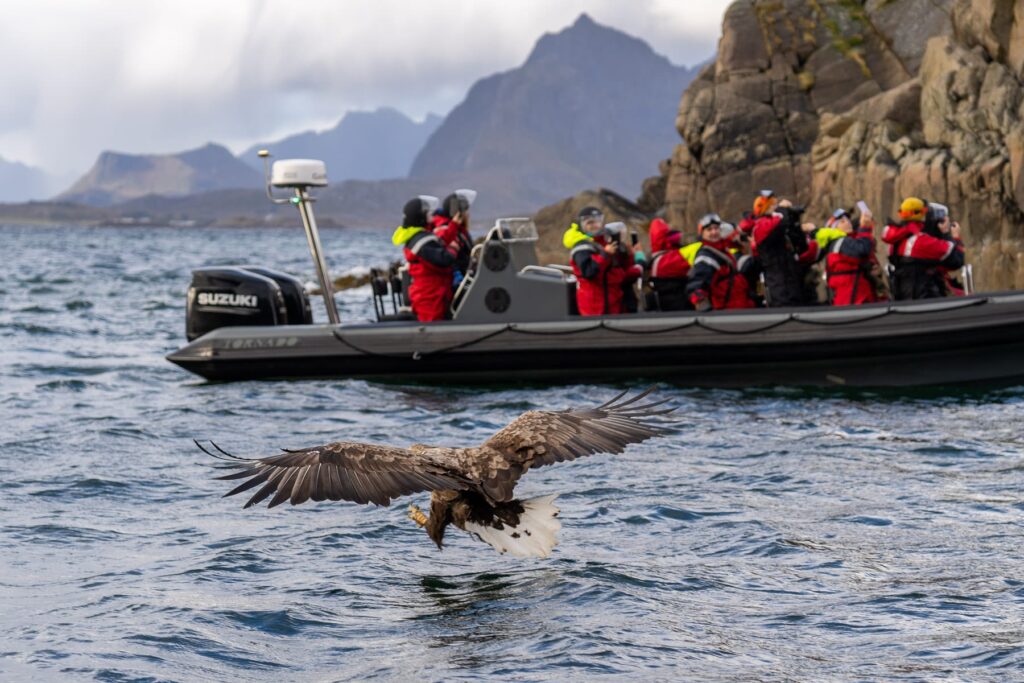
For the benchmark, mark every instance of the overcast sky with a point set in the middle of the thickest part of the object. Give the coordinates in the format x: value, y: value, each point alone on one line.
x: 82, y: 76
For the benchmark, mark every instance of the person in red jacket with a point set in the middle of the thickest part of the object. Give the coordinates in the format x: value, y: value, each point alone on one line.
x: 938, y: 223
x: 668, y: 268
x: 430, y: 259
x: 601, y: 265
x: 715, y: 279
x: 849, y: 253
x: 918, y: 257
x: 451, y: 224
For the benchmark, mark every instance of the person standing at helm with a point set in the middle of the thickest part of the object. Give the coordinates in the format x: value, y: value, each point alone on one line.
x: 848, y: 258
x: 601, y: 265
x: 430, y: 260
x: 918, y: 257
x: 451, y: 224
x: 715, y: 279
x: 781, y: 245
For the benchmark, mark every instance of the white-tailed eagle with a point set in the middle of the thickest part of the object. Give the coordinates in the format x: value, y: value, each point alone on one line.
x: 470, y: 487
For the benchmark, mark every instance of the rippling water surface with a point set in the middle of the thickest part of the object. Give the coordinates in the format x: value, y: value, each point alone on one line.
x: 780, y: 535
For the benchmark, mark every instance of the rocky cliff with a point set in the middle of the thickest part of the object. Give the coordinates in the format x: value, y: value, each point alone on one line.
x: 834, y: 101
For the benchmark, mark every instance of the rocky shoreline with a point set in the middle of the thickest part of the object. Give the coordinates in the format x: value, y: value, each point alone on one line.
x: 834, y: 102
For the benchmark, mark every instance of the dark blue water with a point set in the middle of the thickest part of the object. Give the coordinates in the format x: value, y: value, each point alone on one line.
x: 781, y: 535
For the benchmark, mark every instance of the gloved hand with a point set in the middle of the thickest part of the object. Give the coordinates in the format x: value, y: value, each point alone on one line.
x: 639, y: 256
x: 457, y: 278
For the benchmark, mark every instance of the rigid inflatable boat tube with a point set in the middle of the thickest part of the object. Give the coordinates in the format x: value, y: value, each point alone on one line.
x: 698, y: 321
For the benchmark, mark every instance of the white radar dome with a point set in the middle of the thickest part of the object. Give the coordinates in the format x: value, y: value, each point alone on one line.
x: 298, y: 173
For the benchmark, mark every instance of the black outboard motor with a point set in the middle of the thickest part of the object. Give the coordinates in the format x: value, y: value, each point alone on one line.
x: 296, y: 300
x: 225, y: 297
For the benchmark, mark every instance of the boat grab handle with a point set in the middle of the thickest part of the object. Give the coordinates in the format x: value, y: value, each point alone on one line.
x: 544, y: 270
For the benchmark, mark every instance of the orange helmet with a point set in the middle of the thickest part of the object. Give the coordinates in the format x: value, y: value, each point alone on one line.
x: 764, y: 203
x: 912, y: 209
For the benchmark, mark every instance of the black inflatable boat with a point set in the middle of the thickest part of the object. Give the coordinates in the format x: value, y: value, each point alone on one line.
x: 513, y: 321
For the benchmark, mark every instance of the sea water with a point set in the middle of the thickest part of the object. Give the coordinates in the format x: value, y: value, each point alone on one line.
x: 778, y: 535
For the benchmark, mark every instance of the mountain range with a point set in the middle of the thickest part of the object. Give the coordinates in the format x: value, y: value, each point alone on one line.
x: 590, y: 106
x: 364, y: 145
x: 19, y: 182
x: 117, y: 177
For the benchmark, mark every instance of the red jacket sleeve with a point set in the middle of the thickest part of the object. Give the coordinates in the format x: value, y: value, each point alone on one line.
x: 590, y: 264
x: 446, y: 229
x: 894, y: 234
x: 929, y: 248
x: 766, y: 226
x: 809, y: 256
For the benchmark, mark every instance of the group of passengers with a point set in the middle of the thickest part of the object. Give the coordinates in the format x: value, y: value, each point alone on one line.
x: 771, y: 258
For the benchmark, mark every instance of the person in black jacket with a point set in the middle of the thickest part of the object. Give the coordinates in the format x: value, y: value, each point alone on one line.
x: 781, y: 245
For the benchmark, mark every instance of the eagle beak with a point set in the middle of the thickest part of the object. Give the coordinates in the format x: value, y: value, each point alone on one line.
x: 416, y: 515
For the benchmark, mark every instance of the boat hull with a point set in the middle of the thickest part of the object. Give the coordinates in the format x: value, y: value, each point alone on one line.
x: 974, y: 340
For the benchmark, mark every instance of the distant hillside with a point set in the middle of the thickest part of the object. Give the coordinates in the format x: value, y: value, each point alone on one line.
x: 365, y: 145
x: 19, y: 182
x: 591, y: 106
x: 117, y: 177
x: 355, y: 203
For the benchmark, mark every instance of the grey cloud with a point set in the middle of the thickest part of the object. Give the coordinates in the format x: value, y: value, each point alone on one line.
x: 151, y: 76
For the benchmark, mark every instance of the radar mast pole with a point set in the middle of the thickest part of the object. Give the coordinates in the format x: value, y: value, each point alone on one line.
x: 301, y: 174
x: 304, y: 203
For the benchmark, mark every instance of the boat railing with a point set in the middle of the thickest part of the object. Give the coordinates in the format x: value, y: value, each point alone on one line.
x: 545, y: 270
x: 467, y: 278
x: 513, y: 230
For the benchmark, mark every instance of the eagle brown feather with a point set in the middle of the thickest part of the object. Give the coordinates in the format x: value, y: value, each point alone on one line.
x: 370, y: 473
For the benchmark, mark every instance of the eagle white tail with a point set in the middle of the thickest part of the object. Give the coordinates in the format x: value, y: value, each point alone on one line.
x: 534, y: 536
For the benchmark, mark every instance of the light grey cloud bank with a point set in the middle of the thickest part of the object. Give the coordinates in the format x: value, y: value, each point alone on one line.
x: 154, y: 76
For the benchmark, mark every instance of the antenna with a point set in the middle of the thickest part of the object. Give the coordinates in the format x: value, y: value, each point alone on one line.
x: 300, y: 175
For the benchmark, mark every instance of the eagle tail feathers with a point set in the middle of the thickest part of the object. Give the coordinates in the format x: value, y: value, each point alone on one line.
x: 535, y: 535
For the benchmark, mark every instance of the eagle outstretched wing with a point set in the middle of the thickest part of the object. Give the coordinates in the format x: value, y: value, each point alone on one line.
x: 358, y: 472
x: 539, y: 437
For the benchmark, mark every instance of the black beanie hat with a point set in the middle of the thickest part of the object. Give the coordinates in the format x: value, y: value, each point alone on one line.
x: 414, y: 214
x: 453, y: 204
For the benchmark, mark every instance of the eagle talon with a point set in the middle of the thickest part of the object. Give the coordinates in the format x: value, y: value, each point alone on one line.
x: 416, y: 515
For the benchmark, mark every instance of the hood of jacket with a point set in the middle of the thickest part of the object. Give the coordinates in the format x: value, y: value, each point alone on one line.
x: 663, y: 237
x: 403, y: 234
